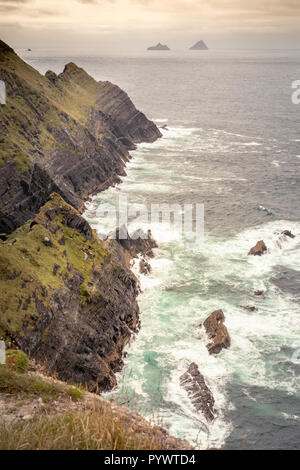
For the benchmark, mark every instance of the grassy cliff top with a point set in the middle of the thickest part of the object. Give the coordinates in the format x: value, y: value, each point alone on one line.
x: 40, y: 257
x: 39, y: 412
x: 38, y: 107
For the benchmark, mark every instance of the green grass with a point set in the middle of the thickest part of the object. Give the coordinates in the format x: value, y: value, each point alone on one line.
x: 17, y: 360
x: 28, y: 386
x: 75, y: 392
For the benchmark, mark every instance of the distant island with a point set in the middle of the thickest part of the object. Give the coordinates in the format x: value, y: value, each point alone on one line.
x: 199, y: 46
x: 159, y: 47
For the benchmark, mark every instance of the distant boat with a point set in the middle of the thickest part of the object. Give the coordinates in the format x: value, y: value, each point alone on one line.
x: 199, y: 46
x: 159, y: 47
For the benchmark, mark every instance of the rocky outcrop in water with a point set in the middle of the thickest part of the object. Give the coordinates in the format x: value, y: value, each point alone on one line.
x: 199, y: 46
x: 159, y: 47
x: 248, y: 308
x: 144, y: 267
x: 138, y: 244
x: 217, y: 332
x: 61, y: 133
x: 259, y: 249
x: 259, y: 293
x: 199, y: 393
x: 288, y: 233
x: 69, y: 303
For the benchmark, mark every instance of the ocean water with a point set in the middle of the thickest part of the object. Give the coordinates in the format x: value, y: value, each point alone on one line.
x: 232, y: 143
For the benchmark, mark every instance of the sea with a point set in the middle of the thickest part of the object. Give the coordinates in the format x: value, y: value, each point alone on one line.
x: 231, y: 142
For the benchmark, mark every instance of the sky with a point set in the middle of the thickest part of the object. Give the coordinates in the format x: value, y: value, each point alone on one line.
x: 137, y: 24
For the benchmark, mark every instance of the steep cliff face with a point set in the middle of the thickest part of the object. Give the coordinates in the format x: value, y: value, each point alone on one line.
x: 65, y: 133
x: 68, y: 299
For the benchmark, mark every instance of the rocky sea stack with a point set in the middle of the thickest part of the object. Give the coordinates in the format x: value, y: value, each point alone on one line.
x: 217, y: 332
x: 201, y: 397
x: 159, y: 47
x: 199, y: 46
x: 259, y: 249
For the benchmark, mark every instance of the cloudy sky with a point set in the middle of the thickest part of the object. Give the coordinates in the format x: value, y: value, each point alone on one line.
x: 136, y: 24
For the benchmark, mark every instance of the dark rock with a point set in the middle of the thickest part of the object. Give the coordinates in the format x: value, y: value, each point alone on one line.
x: 145, y: 267
x: 199, y: 46
x: 288, y: 233
x: 259, y: 249
x: 259, y: 293
x: 47, y: 241
x: 33, y: 223
x: 78, y: 223
x: 249, y: 308
x: 50, y: 214
x: 199, y: 393
x: 62, y: 241
x: 217, y: 332
x: 159, y: 47
x: 56, y: 267
x: 142, y: 243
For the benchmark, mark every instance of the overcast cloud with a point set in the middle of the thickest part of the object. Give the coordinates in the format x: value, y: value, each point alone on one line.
x: 136, y: 24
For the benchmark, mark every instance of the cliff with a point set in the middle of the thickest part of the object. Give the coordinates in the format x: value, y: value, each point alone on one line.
x: 65, y: 133
x: 68, y: 299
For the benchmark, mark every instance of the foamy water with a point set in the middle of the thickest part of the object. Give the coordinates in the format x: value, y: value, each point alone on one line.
x: 189, y: 282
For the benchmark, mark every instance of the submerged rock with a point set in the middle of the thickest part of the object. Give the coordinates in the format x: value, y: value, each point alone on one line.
x: 259, y: 249
x: 217, y: 332
x: 288, y: 233
x: 200, y: 395
x: 259, y: 293
x: 248, y: 308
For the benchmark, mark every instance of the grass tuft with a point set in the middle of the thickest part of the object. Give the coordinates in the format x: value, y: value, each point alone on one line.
x: 90, y: 429
x: 17, y: 360
x: 30, y: 386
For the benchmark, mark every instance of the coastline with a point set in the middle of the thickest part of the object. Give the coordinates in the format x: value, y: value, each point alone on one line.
x: 75, y: 297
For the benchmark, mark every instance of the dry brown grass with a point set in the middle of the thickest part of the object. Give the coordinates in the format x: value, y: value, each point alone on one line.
x: 95, y: 428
